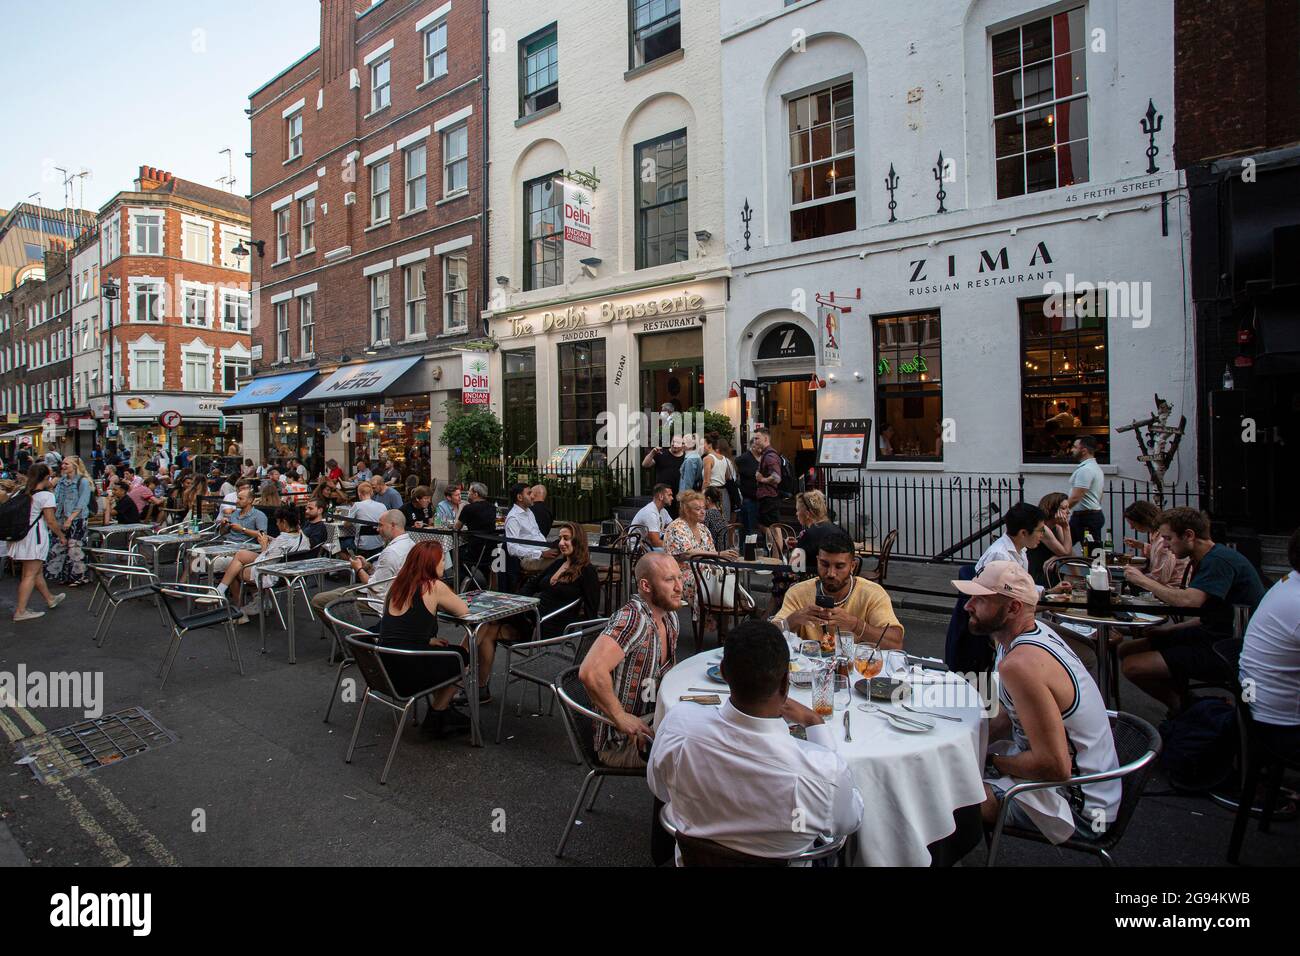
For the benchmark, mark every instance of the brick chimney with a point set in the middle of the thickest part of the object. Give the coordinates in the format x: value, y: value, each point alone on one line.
x: 151, y: 178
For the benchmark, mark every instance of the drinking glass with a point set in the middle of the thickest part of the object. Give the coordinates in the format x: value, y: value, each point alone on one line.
x: 895, y: 664
x: 868, y: 660
x: 843, y: 693
x: 823, y: 688
x: 812, y: 650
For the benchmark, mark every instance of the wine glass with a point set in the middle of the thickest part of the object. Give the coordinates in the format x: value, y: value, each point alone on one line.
x: 868, y: 660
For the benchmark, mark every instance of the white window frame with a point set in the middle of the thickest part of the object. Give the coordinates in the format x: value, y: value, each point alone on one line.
x: 137, y: 351
x: 206, y: 294
x: 188, y: 225
x: 153, y: 220
x: 381, y: 93
x: 306, y: 324
x: 450, y: 296
x: 283, y: 343
x: 293, y: 135
x: 791, y: 167
x: 242, y: 303
x: 137, y: 284
x: 421, y: 178
x: 455, y: 165
x: 430, y: 36
x: 306, y: 227
x: 283, y: 226
x: 232, y: 236
x: 380, y: 324
x: 206, y: 353
x: 416, y: 300
x: 237, y: 354
x: 377, y: 194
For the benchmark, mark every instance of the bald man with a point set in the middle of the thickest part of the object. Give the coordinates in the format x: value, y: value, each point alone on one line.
x: 398, y: 544
x: 624, y: 668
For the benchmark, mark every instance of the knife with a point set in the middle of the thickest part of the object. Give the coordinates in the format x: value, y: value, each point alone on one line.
x: 848, y: 736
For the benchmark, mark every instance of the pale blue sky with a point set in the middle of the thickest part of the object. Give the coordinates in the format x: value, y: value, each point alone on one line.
x: 110, y: 85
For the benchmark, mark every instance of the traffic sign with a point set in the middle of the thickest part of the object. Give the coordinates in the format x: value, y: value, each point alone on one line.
x: 170, y: 420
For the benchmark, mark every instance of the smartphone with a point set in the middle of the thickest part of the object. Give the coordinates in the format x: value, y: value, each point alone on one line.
x: 824, y: 601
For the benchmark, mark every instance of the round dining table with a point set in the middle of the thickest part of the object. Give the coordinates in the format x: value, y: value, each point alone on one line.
x: 911, y: 783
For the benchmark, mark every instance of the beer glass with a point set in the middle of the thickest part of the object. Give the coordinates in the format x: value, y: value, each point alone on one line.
x: 823, y: 688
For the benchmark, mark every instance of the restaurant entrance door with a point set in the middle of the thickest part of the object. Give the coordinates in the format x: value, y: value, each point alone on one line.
x: 789, y: 410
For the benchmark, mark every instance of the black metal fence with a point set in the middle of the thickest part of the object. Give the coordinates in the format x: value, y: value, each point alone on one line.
x: 588, y: 494
x: 1122, y: 492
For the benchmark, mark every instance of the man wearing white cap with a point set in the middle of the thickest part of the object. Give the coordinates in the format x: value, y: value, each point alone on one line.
x: 1050, y: 707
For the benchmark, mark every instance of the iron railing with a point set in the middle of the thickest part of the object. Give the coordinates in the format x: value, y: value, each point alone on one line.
x: 588, y: 494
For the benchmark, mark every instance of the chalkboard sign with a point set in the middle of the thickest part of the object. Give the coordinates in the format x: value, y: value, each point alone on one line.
x: 566, y: 459
x: 844, y: 443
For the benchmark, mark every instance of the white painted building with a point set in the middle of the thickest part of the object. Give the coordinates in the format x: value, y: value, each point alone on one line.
x: 1037, y: 109
x: 88, y: 371
x: 629, y: 94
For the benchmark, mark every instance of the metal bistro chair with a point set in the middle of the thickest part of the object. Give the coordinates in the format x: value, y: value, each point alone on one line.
x: 121, y: 583
x: 549, y: 650
x: 626, y: 547
x: 379, y: 688
x: 880, y: 569
x: 108, y: 556
x: 580, y: 721
x: 1256, y: 758
x: 779, y: 539
x: 217, y: 611
x: 1137, y: 744
x: 713, y: 578
x: 695, y: 851
x: 334, y: 622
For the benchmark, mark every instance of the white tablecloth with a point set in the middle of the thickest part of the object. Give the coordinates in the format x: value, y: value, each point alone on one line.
x: 910, y: 783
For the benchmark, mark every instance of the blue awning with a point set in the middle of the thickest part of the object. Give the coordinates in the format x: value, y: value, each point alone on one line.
x: 268, y: 392
x: 363, y: 380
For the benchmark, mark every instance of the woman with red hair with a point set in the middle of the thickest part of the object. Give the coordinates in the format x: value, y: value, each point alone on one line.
x: 410, y: 621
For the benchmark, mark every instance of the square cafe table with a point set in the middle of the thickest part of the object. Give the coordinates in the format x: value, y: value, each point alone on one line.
x: 106, y: 531
x: 292, y: 572
x: 156, y: 542
x: 216, y: 550
x: 484, y: 608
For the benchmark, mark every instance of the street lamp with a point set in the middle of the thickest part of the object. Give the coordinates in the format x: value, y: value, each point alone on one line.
x: 242, y: 250
x: 111, y: 293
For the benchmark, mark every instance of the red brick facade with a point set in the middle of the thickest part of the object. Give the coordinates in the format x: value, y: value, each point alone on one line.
x: 1236, y: 76
x: 176, y: 199
x: 339, y: 131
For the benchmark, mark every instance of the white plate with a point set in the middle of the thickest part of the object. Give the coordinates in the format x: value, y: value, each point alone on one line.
x: 907, y: 726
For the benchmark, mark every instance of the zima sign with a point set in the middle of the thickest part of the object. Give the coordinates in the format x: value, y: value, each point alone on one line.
x: 578, y: 207
x: 475, y: 389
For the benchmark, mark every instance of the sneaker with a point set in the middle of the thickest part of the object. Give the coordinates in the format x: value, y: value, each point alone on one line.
x: 251, y: 610
x: 453, y: 722
x: 28, y: 616
x: 484, y: 696
x: 241, y: 620
x: 57, y: 600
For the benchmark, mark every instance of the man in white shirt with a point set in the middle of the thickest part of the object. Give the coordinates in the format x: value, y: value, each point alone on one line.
x: 367, y: 509
x: 1086, y: 489
x: 1024, y: 531
x: 522, y: 524
x: 1270, y: 660
x: 653, y: 519
x: 734, y: 774
x: 392, y: 528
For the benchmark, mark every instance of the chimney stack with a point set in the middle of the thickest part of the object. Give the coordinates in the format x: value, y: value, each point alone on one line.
x: 151, y: 178
x: 338, y: 35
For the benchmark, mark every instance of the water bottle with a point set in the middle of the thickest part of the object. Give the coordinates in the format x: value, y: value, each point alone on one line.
x: 1088, y: 543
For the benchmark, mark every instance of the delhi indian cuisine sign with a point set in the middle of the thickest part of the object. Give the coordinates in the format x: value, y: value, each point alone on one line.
x: 475, y: 390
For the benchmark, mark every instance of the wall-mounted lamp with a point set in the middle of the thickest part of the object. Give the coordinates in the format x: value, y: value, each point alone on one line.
x: 703, y: 235
x: 735, y: 390
x: 858, y: 376
x: 816, y: 384
x: 503, y: 281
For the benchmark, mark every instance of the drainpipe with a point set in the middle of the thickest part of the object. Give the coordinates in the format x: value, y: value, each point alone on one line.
x: 483, y: 220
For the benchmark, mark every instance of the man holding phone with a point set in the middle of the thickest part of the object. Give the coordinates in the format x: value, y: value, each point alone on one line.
x: 839, y: 600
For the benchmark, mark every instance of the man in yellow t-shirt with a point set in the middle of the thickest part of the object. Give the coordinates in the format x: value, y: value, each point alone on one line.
x: 859, y: 605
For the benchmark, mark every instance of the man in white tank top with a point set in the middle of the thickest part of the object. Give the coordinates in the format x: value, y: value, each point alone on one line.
x: 1051, y: 723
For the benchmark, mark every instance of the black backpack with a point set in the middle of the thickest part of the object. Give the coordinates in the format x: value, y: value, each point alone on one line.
x: 788, y: 485
x: 1201, y: 745
x: 93, y: 508
x: 15, y: 517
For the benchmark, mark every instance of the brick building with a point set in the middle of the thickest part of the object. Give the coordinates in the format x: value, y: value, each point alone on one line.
x: 1237, y: 87
x: 367, y: 204
x: 179, y: 339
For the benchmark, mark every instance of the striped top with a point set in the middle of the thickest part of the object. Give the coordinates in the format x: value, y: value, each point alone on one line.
x: 638, y: 677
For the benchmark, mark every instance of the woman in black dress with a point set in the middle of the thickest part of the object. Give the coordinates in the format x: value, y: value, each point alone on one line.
x: 570, y: 577
x: 410, y: 622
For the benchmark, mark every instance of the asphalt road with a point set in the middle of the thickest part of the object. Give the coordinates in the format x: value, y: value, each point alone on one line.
x: 255, y: 777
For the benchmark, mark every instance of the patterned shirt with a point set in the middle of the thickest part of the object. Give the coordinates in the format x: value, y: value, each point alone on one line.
x: 678, y: 540
x: 633, y: 629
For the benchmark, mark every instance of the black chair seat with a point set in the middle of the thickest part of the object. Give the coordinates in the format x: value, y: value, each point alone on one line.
x: 208, y: 618
x: 130, y: 594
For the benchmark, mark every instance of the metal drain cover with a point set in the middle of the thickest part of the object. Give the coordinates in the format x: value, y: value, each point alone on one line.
x: 90, y: 744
